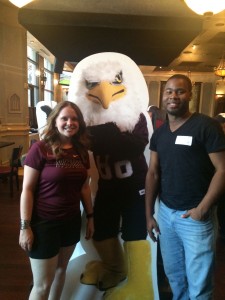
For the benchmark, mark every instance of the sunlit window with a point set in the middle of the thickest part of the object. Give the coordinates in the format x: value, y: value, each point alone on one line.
x: 49, y: 87
x: 32, y: 72
x: 31, y: 53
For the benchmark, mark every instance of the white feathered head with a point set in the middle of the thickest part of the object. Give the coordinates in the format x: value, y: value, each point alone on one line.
x: 109, y: 87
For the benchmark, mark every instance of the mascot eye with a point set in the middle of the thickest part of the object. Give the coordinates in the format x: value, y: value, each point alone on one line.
x: 91, y: 84
x: 119, y: 78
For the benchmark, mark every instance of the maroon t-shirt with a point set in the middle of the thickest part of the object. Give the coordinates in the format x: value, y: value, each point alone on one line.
x: 57, y: 195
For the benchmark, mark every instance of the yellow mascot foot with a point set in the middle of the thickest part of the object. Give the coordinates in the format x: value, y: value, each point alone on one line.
x: 92, y: 272
x: 109, y: 279
x: 111, y: 270
x: 138, y: 285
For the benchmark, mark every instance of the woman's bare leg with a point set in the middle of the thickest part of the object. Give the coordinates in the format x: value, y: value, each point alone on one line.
x: 43, y: 275
x: 60, y: 273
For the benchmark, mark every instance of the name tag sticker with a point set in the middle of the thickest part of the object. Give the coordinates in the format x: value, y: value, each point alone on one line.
x: 184, y: 140
x: 142, y: 192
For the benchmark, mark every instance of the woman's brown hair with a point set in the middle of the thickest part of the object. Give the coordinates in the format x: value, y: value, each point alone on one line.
x: 51, y: 135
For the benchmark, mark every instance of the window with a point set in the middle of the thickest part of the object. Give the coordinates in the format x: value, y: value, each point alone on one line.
x: 32, y: 72
x: 49, y: 87
x: 31, y: 53
x: 35, y: 63
x: 32, y: 69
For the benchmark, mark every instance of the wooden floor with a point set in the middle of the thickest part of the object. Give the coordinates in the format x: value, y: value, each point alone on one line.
x: 15, y: 274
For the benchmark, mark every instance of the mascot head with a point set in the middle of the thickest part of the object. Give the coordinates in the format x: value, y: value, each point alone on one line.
x: 109, y: 87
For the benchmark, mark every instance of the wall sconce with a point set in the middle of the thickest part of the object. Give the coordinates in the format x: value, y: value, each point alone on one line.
x: 43, y: 78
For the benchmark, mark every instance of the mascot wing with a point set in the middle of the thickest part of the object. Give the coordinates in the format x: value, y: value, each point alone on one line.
x: 47, y: 109
x: 43, y: 109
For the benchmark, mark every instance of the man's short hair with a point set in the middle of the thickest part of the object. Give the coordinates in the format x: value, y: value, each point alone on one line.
x: 184, y: 77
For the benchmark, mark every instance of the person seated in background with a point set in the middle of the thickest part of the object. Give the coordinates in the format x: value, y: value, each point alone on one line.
x: 221, y: 204
x: 221, y: 119
x: 157, y: 115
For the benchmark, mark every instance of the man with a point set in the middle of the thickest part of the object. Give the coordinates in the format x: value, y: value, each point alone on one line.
x: 187, y: 171
x: 221, y: 203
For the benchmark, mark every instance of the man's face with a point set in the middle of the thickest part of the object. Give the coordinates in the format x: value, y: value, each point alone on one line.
x: 176, y: 97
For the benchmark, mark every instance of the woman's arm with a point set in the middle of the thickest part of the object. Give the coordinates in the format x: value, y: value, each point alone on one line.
x: 88, y: 207
x: 26, y: 206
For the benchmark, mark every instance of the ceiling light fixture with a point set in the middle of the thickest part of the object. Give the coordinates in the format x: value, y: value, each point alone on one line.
x: 20, y: 3
x: 206, y: 7
x: 220, y: 70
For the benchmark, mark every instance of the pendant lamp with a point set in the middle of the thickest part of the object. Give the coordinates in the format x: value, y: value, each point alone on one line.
x: 220, y: 70
x: 20, y: 3
x: 206, y: 7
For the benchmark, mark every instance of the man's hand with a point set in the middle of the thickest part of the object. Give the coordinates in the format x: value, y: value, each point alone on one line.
x: 153, y: 229
x: 196, y: 214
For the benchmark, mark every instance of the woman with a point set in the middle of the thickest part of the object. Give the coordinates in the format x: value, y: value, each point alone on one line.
x: 55, y: 180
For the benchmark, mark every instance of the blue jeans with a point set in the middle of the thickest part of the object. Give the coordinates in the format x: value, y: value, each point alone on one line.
x: 188, y: 250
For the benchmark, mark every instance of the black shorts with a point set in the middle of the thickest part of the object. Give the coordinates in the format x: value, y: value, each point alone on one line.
x: 50, y: 236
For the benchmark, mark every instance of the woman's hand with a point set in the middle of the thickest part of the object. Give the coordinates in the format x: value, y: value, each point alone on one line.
x: 26, y: 239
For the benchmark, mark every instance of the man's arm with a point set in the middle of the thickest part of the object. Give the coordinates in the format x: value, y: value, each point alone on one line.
x: 215, y: 190
x: 151, y: 192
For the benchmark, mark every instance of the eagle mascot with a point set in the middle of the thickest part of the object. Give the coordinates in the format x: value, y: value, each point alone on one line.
x: 112, y: 94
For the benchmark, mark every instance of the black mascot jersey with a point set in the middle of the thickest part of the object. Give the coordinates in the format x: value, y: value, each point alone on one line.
x: 119, y: 156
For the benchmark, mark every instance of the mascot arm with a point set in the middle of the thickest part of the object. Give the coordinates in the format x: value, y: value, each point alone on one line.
x: 134, y: 143
x: 108, y: 139
x: 131, y: 144
x: 103, y: 136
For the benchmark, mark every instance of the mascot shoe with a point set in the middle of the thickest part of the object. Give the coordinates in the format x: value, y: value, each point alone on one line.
x: 139, y: 285
x: 111, y: 270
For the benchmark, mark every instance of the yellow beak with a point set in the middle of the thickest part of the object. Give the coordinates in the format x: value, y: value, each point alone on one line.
x: 106, y: 92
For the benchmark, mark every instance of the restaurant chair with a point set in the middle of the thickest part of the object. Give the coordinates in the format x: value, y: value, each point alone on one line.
x: 23, y: 157
x: 10, y: 172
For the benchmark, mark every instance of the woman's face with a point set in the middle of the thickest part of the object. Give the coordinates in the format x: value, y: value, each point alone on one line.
x: 67, y: 122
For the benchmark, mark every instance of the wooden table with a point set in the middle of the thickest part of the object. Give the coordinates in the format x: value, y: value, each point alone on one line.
x: 5, y: 144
